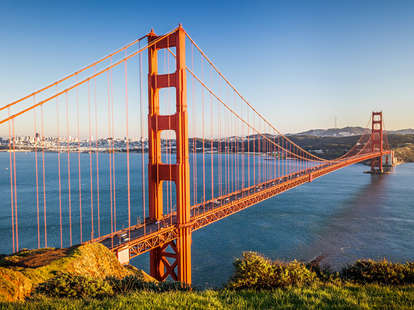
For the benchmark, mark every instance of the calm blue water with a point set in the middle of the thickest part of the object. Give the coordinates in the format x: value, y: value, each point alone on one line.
x: 345, y: 215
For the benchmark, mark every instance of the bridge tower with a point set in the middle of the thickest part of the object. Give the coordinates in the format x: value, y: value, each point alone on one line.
x: 179, y: 250
x: 377, y: 142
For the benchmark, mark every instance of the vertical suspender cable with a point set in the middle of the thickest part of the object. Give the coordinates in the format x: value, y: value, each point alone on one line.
x: 113, y: 152
x: 16, y: 225
x: 248, y: 151
x: 11, y: 185
x: 254, y: 156
x: 127, y: 148
x: 68, y: 150
x: 219, y: 152
x: 110, y: 158
x: 193, y: 107
x: 204, y: 160
x: 90, y: 160
x: 242, y: 151
x: 211, y: 148
x: 142, y: 138
x: 44, y: 174
x: 79, y: 165
x: 97, y: 159
x: 59, y: 174
x: 37, y: 176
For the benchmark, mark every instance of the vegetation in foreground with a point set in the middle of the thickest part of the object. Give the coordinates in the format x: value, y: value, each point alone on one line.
x: 23, y: 272
x: 254, y: 271
x: 322, y: 297
x: 256, y: 283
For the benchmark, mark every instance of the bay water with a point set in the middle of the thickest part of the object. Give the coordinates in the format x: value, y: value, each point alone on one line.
x: 343, y: 216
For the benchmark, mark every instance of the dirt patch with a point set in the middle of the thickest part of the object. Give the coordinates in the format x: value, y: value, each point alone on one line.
x: 42, y: 259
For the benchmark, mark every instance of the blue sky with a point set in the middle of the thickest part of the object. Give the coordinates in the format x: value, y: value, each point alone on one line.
x: 301, y: 63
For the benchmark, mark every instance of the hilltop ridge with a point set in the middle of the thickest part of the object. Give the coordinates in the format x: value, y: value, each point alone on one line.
x: 349, y: 131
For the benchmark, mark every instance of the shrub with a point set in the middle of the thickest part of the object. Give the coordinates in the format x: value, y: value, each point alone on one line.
x: 126, y: 284
x: 67, y: 285
x: 136, y: 283
x: 325, y: 274
x: 255, y: 271
x: 382, y: 272
x: 252, y: 271
x: 170, y: 286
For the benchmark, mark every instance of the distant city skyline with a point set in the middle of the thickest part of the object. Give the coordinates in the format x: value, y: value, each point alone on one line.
x: 305, y: 65
x: 328, y: 132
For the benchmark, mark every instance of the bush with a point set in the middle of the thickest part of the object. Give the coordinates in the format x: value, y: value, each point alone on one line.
x: 382, y: 272
x: 67, y: 285
x: 136, y: 283
x: 255, y: 271
x: 169, y: 286
x: 325, y: 274
x: 126, y: 284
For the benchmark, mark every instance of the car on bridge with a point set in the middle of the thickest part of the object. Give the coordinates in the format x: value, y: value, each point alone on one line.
x: 124, y: 237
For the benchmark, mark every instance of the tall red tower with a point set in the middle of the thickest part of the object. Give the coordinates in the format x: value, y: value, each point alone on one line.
x: 173, y: 258
x: 377, y: 141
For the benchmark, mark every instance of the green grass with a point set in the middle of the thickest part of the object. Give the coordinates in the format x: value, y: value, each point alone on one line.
x: 323, y: 297
x: 366, y: 284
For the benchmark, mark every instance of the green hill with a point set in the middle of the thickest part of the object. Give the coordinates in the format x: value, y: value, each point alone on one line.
x: 22, y: 272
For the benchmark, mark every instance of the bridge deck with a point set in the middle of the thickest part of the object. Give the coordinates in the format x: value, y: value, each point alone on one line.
x: 142, y: 238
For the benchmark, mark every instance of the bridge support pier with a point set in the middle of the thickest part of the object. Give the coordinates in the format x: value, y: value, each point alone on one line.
x: 123, y: 256
x: 377, y: 142
x: 161, y: 266
x: 176, y: 263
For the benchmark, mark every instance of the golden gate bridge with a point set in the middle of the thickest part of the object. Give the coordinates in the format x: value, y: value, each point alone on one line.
x: 194, y: 152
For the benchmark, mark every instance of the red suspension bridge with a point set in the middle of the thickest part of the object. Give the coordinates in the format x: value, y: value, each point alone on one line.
x: 137, y: 160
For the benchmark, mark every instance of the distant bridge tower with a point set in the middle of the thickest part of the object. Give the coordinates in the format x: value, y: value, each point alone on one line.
x: 180, y: 250
x: 377, y: 142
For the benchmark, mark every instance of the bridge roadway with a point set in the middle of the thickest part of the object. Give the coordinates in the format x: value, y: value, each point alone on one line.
x: 142, y: 238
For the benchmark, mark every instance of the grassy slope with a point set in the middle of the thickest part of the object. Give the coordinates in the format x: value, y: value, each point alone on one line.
x: 20, y: 272
x: 326, y: 297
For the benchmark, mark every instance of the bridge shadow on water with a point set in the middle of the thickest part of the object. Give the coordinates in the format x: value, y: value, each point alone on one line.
x: 353, y: 230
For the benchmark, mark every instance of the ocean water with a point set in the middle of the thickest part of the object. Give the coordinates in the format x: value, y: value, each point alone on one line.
x: 344, y: 216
